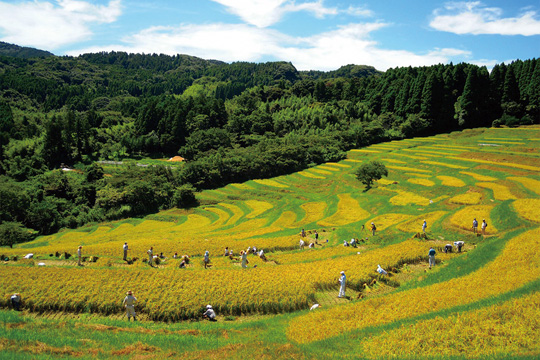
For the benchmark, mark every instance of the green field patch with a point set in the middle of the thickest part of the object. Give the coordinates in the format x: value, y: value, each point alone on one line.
x: 271, y: 183
x: 406, y: 168
x: 478, y: 177
x: 529, y: 183
x: 410, y: 156
x: 439, y: 164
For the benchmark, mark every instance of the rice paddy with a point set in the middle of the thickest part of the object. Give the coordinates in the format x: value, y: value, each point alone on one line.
x: 482, y: 302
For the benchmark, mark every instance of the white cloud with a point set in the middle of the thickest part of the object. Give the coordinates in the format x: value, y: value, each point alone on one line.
x: 348, y: 44
x: 264, y: 13
x: 475, y: 18
x: 359, y: 11
x: 51, y: 25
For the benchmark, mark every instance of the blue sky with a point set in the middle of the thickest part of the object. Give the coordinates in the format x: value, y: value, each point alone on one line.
x: 312, y: 34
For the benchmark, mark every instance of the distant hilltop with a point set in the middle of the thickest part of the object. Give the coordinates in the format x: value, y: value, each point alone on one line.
x: 22, y: 52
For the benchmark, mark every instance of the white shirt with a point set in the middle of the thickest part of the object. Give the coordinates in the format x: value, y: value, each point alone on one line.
x: 210, y: 313
x: 125, y: 247
x: 314, y: 307
x: 129, y: 300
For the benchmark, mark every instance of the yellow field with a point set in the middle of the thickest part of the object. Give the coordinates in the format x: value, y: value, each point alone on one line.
x: 516, y: 266
x: 507, y: 329
x: 423, y: 182
x: 463, y: 218
x: 531, y: 184
x: 500, y: 192
x: 349, y: 211
x: 469, y: 198
x: 528, y: 209
x: 451, y: 181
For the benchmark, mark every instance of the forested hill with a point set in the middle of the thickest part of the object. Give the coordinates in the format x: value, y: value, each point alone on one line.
x: 232, y: 122
x: 21, y: 51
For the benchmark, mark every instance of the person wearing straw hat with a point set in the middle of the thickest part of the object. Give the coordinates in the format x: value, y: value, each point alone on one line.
x: 16, y: 301
x: 129, y: 303
x: 373, y: 228
x: 484, y: 226
x: 342, y: 280
x: 475, y: 225
x: 210, y: 314
x: 424, y: 226
x: 79, y: 255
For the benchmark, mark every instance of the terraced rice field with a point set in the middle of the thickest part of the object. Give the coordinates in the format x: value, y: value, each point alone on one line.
x: 482, y: 302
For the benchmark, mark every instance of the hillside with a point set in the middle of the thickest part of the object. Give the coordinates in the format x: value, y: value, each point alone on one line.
x: 480, y: 302
x: 230, y: 122
x: 7, y: 49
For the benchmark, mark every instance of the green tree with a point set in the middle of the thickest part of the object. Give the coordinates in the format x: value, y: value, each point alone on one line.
x: 369, y: 172
x: 12, y: 233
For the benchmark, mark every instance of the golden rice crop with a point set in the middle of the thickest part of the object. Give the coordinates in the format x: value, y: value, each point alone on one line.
x: 258, y: 207
x: 310, y: 175
x: 314, y: 211
x: 387, y: 220
x: 500, y: 192
x: 510, y: 328
x: 338, y: 165
x: 349, y: 211
x: 319, y: 171
x: 478, y: 176
x: 438, y: 163
x: 172, y: 294
x: 353, y: 160
x: 415, y: 225
x: 423, y: 182
x: 514, y: 267
x: 463, y: 218
x: 286, y: 220
x: 331, y: 168
x: 223, y: 216
x: 385, y: 181
x: 406, y: 198
x: 272, y: 183
x: 528, y: 209
x: 531, y: 184
x: 451, y: 181
x: 469, y: 198
x: 236, y: 211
